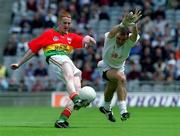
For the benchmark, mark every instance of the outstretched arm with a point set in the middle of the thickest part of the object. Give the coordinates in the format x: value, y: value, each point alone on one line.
x: 134, y: 34
x: 127, y: 21
x: 28, y: 55
x: 115, y: 30
x: 136, y: 17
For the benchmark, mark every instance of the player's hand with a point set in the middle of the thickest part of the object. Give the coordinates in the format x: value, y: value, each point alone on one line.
x: 14, y: 66
x: 89, y: 41
x: 131, y: 18
x: 136, y: 15
x: 128, y: 19
x: 92, y: 41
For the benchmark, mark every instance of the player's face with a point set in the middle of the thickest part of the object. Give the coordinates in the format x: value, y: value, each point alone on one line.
x: 121, y: 38
x: 65, y: 24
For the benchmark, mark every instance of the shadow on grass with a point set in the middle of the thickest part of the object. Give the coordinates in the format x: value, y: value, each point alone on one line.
x: 71, y: 127
x: 25, y: 126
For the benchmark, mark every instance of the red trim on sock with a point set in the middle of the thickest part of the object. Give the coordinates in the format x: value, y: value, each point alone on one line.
x: 66, y: 112
x: 74, y: 94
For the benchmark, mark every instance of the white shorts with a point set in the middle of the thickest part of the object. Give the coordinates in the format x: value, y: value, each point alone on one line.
x: 55, y: 63
x: 102, y: 66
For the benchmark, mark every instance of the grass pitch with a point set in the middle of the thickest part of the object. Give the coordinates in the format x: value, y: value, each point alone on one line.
x: 39, y: 121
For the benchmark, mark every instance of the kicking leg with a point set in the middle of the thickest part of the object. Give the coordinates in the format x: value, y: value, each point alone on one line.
x: 69, y: 77
x: 73, y: 86
x: 77, y: 81
x: 66, y: 113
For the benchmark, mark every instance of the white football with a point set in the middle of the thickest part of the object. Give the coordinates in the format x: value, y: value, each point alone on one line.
x: 87, y: 93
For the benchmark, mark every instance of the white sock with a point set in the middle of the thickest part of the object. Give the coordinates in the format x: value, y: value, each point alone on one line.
x: 107, y: 106
x: 122, y: 106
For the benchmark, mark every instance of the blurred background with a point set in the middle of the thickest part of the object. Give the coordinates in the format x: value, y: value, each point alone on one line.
x: 153, y: 65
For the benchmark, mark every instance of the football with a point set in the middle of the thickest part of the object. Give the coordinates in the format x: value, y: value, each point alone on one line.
x: 87, y: 93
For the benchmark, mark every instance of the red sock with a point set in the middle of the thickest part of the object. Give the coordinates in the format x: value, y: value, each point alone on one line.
x: 74, y: 96
x: 65, y: 114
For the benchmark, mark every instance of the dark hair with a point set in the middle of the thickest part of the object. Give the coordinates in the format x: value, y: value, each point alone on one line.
x: 124, y: 31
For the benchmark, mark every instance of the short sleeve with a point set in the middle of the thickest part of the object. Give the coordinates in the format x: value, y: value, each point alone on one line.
x: 107, y: 39
x: 131, y: 43
x: 106, y: 34
x: 36, y: 44
x: 138, y: 37
x: 77, y: 41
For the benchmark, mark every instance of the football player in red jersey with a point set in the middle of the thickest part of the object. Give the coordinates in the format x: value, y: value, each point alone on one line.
x: 57, y: 44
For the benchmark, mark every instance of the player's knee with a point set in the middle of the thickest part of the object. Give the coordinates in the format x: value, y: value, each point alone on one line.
x: 79, y: 74
x: 121, y: 79
x: 78, y: 87
x: 69, y: 77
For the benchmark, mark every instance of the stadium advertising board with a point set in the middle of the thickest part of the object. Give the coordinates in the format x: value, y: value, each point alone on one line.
x: 134, y: 99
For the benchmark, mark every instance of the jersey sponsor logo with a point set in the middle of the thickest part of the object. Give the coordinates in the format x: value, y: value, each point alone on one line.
x: 69, y: 40
x: 114, y: 55
x: 55, y: 38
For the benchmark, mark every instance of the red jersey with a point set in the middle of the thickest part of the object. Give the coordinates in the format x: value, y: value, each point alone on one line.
x: 54, y: 43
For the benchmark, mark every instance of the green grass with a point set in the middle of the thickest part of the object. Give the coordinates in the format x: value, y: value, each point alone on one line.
x: 39, y: 121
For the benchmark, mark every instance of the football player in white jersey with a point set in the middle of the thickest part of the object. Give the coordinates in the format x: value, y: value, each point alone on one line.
x: 117, y: 46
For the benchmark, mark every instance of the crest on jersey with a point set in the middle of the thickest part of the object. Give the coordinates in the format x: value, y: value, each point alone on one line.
x: 69, y: 40
x: 55, y: 38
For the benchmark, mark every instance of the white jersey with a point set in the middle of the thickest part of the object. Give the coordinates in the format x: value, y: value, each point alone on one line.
x: 115, y: 56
